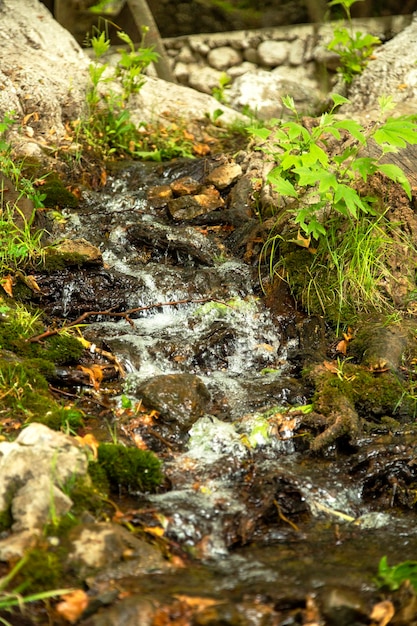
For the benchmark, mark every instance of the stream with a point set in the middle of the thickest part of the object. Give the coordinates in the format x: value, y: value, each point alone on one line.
x: 269, y: 534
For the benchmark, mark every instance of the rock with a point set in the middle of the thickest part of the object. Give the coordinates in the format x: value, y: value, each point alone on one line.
x: 180, y: 398
x: 43, y: 70
x: 263, y: 91
x: 392, y: 72
x: 188, y: 207
x: 90, y: 253
x: 224, y: 57
x: 224, y: 175
x: 204, y: 79
x: 33, y: 469
x: 273, y: 53
x: 105, y: 546
x: 178, y: 101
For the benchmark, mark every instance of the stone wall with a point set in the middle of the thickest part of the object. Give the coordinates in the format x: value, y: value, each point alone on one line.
x: 294, y: 57
x: 200, y: 60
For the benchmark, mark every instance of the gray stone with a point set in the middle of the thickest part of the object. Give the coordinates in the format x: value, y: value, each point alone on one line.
x: 223, y: 58
x: 296, y: 54
x: 204, y: 79
x: 273, y: 53
x: 263, y: 91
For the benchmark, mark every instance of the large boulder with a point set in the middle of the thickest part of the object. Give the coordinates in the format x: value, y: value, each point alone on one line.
x: 43, y: 71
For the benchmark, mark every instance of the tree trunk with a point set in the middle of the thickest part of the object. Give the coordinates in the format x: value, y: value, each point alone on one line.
x: 143, y: 17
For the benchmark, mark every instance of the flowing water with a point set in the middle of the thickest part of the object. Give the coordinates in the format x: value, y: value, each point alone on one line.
x: 266, y: 523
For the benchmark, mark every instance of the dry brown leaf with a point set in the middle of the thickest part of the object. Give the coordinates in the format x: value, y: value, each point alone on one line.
x: 90, y: 441
x: 7, y: 284
x: 94, y: 373
x: 157, y: 531
x: 382, y: 613
x: 197, y: 602
x: 201, y: 149
x: 73, y: 605
x: 331, y: 367
x: 30, y: 281
x: 34, y: 115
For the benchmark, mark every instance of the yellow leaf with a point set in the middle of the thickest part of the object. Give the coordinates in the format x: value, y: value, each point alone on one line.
x: 31, y: 283
x: 7, y: 284
x: 157, y: 531
x: 301, y: 241
x: 73, y: 605
x: 90, y: 441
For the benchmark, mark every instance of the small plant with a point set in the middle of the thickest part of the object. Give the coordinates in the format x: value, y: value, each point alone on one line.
x: 393, y: 577
x: 322, y: 175
x: 108, y: 129
x: 321, y: 184
x: 220, y: 92
x: 14, y: 598
x: 354, y: 49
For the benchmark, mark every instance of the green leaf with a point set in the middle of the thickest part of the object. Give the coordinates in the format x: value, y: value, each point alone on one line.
x: 282, y: 186
x: 396, y: 174
x: 336, y: 97
x: 397, y: 132
x: 308, y: 175
x: 366, y: 166
x: 261, y: 133
x: 327, y: 181
x: 350, y: 198
x: 353, y: 127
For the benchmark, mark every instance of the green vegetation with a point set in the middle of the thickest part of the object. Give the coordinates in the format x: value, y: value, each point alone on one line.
x: 129, y: 469
x: 108, y: 131
x: 354, y: 49
x: 324, y: 176
x: 393, y: 577
x: 14, y: 598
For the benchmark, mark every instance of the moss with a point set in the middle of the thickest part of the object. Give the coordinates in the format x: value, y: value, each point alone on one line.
x: 57, y: 194
x: 61, y: 349
x: 42, y: 571
x: 130, y: 469
x: 55, y: 260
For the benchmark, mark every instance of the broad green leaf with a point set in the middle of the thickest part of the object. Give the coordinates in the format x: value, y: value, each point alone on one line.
x: 317, y: 154
x: 261, y: 133
x: 350, y: 197
x: 397, y: 132
x: 289, y: 161
x: 396, y: 174
x: 365, y: 166
x: 282, y: 186
x: 294, y: 130
x: 308, y: 175
x: 354, y: 128
x: 336, y: 97
x: 327, y: 181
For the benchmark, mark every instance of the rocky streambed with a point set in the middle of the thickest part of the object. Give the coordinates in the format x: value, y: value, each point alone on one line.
x: 276, y: 505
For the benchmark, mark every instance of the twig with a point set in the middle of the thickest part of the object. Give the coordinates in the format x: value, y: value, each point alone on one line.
x: 125, y: 314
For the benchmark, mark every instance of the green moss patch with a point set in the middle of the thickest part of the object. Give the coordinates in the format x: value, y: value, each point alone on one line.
x: 130, y: 469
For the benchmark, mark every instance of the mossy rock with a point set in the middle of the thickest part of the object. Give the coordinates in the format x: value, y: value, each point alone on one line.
x: 130, y: 469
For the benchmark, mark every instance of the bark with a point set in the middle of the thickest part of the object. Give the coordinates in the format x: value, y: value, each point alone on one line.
x: 143, y: 17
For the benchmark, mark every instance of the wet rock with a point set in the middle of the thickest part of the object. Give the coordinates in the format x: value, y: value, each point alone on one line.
x: 112, y: 550
x: 224, y: 175
x: 159, y: 195
x: 344, y: 607
x: 80, y: 248
x: 131, y: 611
x: 185, y: 186
x: 33, y: 469
x: 181, y: 241
x: 188, y: 207
x: 179, y: 398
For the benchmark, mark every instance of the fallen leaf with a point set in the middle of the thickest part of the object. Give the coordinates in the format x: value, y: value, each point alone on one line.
x: 382, y: 613
x: 201, y: 149
x: 34, y: 115
x: 73, y: 605
x: 30, y: 281
x: 157, y: 531
x: 7, y: 284
x: 90, y: 441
